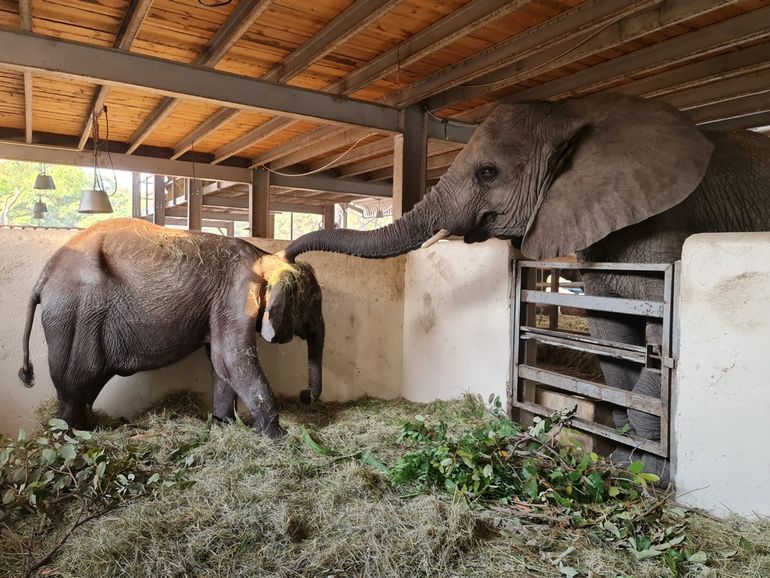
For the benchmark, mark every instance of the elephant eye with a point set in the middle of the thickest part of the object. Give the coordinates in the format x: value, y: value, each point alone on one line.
x: 486, y: 173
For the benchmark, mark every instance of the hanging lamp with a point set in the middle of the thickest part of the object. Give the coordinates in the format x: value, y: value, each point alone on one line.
x: 95, y: 199
x: 44, y: 181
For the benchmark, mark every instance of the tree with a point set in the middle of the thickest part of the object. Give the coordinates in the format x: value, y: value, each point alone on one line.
x: 17, y: 195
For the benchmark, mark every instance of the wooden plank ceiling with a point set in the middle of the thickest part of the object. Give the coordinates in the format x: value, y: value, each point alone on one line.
x: 455, y: 57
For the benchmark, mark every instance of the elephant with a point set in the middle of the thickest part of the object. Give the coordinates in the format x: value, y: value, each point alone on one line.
x: 607, y: 177
x: 126, y: 295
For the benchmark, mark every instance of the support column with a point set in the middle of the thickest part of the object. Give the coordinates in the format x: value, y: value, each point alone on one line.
x: 159, y: 215
x: 194, y: 194
x: 136, y: 195
x: 259, y: 210
x: 328, y: 214
x: 410, y: 154
x: 231, y: 229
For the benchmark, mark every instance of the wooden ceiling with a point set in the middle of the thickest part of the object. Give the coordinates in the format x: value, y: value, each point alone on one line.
x: 455, y: 58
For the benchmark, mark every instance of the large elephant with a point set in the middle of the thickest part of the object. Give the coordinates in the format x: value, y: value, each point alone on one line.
x: 126, y: 296
x: 607, y: 176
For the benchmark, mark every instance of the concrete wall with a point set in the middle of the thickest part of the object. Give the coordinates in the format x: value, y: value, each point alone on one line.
x: 363, y: 309
x: 457, y: 320
x: 722, y: 400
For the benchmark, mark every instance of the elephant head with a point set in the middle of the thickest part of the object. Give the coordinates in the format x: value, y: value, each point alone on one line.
x: 555, y: 177
x: 294, y: 307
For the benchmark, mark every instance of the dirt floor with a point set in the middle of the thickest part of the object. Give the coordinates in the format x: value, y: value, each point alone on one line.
x: 261, y: 508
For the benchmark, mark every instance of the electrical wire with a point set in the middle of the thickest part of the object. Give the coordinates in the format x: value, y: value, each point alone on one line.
x: 320, y: 169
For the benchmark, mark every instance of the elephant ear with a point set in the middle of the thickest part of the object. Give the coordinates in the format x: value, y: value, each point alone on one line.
x: 629, y: 159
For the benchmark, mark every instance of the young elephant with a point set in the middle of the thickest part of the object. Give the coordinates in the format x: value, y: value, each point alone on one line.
x: 126, y: 296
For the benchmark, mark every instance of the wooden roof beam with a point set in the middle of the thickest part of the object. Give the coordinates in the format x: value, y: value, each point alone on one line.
x: 729, y: 109
x: 457, y: 24
x: 29, y: 52
x: 720, y: 91
x: 123, y: 162
x: 129, y: 29
x: 237, y: 24
x: 358, y: 16
x: 727, y: 65
x: 25, y: 15
x: 582, y: 18
x: 681, y: 49
x: 582, y: 32
x: 355, y: 18
x: 553, y: 39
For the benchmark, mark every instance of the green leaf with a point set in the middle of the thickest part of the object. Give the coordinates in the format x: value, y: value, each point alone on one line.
x: 699, y: 557
x: 636, y: 467
x: 153, y: 478
x: 58, y: 424
x: 649, y: 477
x: 374, y: 462
x: 49, y: 455
x: 68, y: 452
x: 613, y: 491
x: 314, y: 445
x: 647, y: 554
x: 84, y: 435
x: 612, y: 529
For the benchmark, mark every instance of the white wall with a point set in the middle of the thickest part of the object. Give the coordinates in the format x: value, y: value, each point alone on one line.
x: 363, y: 309
x: 722, y: 399
x: 457, y: 320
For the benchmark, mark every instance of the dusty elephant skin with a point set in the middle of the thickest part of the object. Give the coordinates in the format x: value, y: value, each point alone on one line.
x: 125, y: 296
x: 609, y: 177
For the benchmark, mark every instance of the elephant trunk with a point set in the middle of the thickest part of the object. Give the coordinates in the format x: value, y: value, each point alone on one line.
x: 315, y: 352
x: 403, y: 235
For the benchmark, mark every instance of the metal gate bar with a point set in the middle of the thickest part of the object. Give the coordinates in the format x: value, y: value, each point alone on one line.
x: 530, y: 292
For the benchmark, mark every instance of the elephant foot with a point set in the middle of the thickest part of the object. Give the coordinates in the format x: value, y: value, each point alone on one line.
x: 623, y: 456
x: 273, y: 431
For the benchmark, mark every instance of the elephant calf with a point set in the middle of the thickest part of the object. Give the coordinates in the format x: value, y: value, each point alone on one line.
x: 126, y: 296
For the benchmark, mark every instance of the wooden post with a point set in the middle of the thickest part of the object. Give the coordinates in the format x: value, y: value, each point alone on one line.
x: 328, y: 214
x: 410, y: 153
x: 231, y: 229
x: 259, y: 210
x: 271, y: 226
x: 194, y: 194
x: 159, y: 215
x: 136, y: 195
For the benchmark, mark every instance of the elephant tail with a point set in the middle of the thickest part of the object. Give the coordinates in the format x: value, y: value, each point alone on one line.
x: 27, y: 372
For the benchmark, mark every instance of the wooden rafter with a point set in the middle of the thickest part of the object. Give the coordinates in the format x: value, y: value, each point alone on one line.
x: 28, y: 52
x: 678, y: 50
x: 236, y: 25
x: 580, y: 33
x: 453, y: 26
x: 25, y: 15
x: 129, y: 29
x: 357, y: 17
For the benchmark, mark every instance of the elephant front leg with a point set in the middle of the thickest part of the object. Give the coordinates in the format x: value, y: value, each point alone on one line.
x: 224, y: 398
x: 645, y: 425
x: 235, y: 361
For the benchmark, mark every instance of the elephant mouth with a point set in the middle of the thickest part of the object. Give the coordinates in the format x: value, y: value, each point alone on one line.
x: 482, y: 230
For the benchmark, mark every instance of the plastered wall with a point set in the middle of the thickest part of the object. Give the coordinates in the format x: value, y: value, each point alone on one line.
x: 721, y: 404
x: 363, y: 309
x: 457, y: 320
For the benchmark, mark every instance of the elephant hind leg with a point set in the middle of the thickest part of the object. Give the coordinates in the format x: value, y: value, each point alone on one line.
x: 224, y: 398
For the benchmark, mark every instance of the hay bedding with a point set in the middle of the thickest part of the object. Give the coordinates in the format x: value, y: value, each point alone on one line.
x: 258, y: 508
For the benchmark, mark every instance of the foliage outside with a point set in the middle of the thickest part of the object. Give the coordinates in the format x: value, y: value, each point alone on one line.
x: 357, y: 489
x: 17, y: 196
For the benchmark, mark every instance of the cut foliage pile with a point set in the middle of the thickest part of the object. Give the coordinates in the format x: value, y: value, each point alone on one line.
x: 371, y: 488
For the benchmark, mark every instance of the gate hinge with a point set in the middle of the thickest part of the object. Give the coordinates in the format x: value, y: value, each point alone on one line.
x: 655, y: 360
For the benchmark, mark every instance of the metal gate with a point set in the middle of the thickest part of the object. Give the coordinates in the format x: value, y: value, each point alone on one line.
x: 532, y: 290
